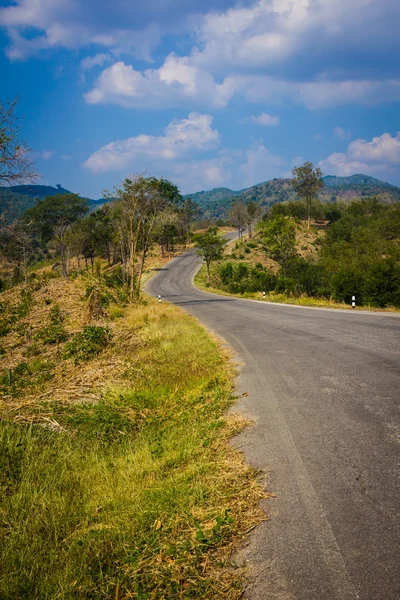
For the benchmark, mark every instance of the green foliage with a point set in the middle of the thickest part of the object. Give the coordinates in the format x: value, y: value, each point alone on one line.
x: 210, y: 247
x: 239, y: 278
x: 54, y: 332
x: 12, y: 315
x: 279, y: 237
x: 359, y: 256
x: 56, y: 211
x: 88, y: 343
x: 13, y: 381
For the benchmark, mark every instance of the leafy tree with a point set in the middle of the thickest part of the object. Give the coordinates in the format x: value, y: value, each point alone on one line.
x: 210, y: 247
x: 137, y: 204
x: 53, y: 216
x: 279, y: 236
x: 307, y: 180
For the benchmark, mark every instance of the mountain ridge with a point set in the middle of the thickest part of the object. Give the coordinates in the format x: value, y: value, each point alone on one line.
x: 215, y: 203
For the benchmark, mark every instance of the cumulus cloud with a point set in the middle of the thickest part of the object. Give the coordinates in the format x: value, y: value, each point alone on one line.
x: 272, y: 31
x: 265, y: 119
x: 179, y: 82
x: 379, y: 156
x: 180, y: 137
x: 46, y: 154
x: 176, y: 82
x: 71, y: 24
x: 260, y: 165
x: 251, y: 50
x: 202, y: 174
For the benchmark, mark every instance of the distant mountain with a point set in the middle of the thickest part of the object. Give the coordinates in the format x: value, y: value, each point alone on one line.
x: 216, y: 203
x: 16, y: 199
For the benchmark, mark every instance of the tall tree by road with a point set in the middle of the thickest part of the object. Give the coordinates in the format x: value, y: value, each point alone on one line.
x: 188, y: 211
x: 238, y: 215
x: 307, y: 180
x: 279, y: 237
x: 210, y: 247
x: 253, y: 213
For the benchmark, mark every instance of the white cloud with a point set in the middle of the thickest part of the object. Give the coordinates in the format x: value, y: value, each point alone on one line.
x: 180, y: 137
x: 66, y: 157
x: 272, y: 31
x: 342, y: 134
x: 265, y: 119
x: 316, y: 94
x: 93, y: 61
x: 261, y: 165
x: 46, y: 154
x: 317, y: 137
x: 179, y: 82
x: 175, y: 82
x: 64, y: 23
x: 380, y: 155
x: 202, y: 174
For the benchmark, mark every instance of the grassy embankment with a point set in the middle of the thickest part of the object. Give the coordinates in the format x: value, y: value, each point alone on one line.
x: 117, y: 479
x: 251, y: 252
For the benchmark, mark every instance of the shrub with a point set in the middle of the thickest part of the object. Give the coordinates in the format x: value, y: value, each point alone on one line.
x: 88, y: 343
x: 226, y: 272
x: 55, y: 332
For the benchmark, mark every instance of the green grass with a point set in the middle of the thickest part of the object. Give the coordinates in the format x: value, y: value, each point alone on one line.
x: 138, y: 495
x: 201, y: 282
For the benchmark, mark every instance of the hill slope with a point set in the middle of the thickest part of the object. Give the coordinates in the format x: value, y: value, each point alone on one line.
x: 16, y: 199
x: 217, y: 202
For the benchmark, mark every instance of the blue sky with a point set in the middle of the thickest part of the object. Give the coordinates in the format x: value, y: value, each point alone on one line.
x: 205, y: 93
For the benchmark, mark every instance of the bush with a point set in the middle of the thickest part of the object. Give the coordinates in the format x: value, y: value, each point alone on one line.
x: 88, y: 343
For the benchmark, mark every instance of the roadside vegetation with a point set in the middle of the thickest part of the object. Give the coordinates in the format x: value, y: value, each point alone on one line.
x: 117, y: 480
x: 350, y: 250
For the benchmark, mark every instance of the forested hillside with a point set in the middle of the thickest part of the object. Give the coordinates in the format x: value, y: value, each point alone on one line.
x: 215, y: 204
x: 15, y: 200
x: 352, y: 250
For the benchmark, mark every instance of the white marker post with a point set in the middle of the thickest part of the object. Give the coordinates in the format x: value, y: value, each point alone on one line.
x: 159, y: 298
x: 353, y: 302
x: 263, y: 295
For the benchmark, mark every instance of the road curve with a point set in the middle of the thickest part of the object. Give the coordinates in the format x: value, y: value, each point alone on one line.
x: 323, y: 390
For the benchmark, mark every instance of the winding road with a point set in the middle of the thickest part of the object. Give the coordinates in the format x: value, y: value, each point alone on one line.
x: 323, y: 389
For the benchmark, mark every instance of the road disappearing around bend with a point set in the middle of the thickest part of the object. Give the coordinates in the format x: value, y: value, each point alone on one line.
x: 323, y: 389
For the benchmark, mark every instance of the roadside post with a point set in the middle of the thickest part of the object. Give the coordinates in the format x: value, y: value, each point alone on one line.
x: 353, y: 301
x: 263, y: 295
x: 159, y: 298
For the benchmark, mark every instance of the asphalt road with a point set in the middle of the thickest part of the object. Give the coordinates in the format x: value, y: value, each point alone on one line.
x: 323, y: 391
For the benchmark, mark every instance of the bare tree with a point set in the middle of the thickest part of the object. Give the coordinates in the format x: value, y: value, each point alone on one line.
x: 252, y: 216
x: 238, y: 215
x: 16, y: 246
x: 16, y: 163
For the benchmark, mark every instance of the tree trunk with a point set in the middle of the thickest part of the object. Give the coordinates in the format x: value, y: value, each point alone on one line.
x: 63, y: 261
